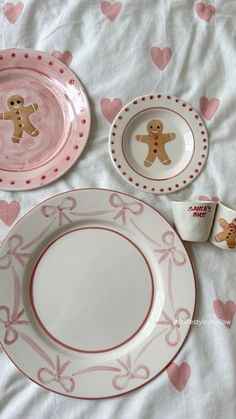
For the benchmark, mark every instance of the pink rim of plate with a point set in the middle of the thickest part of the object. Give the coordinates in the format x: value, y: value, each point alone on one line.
x: 159, y: 102
x: 57, y: 73
x: 56, y: 378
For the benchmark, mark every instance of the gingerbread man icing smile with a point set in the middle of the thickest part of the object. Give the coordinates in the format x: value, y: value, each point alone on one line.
x: 19, y: 115
x: 156, y: 141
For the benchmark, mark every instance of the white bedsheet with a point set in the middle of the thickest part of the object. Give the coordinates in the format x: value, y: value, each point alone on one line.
x: 113, y: 60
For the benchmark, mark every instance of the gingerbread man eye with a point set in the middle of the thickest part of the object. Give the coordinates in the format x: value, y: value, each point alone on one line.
x: 151, y: 126
x: 158, y: 126
x: 18, y: 101
x: 12, y: 103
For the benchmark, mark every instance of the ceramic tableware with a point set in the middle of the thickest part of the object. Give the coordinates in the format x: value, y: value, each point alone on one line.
x: 224, y: 229
x: 44, y: 119
x: 97, y: 298
x: 194, y: 219
x: 158, y: 143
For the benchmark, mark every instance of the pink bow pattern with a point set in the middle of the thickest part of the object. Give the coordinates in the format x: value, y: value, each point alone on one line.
x: 14, y: 250
x: 177, y: 256
x: 135, y: 207
x: 61, y: 211
x: 121, y: 381
x: 10, y: 321
x: 48, y: 376
x: 173, y: 336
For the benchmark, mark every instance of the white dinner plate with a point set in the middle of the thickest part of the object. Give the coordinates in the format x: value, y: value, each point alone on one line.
x: 158, y: 143
x: 97, y: 293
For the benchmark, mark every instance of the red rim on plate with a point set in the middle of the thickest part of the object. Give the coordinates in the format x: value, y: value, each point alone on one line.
x: 44, y: 119
x: 98, y: 298
x: 158, y: 143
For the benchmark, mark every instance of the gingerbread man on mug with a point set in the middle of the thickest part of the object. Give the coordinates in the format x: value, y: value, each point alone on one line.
x: 19, y: 115
x: 156, y: 141
x: 228, y: 234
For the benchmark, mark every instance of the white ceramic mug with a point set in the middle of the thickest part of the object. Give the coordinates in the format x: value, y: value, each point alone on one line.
x: 224, y: 229
x: 194, y: 219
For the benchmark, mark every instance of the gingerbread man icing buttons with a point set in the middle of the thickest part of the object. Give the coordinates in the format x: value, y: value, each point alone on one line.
x: 19, y: 115
x: 224, y: 229
x: 158, y: 143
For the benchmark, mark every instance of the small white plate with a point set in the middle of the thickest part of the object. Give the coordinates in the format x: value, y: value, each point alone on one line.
x: 158, y: 143
x: 97, y: 298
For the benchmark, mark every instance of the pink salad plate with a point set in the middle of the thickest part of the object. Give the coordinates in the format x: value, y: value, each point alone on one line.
x: 158, y: 143
x: 97, y: 298
x: 44, y: 119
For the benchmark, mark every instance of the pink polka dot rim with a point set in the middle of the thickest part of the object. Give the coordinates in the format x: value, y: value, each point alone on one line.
x: 178, y: 163
x: 63, y: 127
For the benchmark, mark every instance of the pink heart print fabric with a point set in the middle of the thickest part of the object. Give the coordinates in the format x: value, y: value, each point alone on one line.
x: 121, y: 50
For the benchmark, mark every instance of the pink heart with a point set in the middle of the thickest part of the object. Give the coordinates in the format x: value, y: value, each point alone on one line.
x: 209, y: 106
x: 161, y: 57
x: 9, y: 212
x: 179, y: 375
x: 111, y: 11
x: 225, y: 311
x: 206, y: 198
x: 66, y: 57
x: 13, y: 11
x: 110, y: 108
x: 205, y: 11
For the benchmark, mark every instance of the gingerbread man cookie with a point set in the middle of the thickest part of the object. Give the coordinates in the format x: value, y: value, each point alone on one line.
x: 228, y: 233
x: 19, y: 115
x: 156, y: 141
